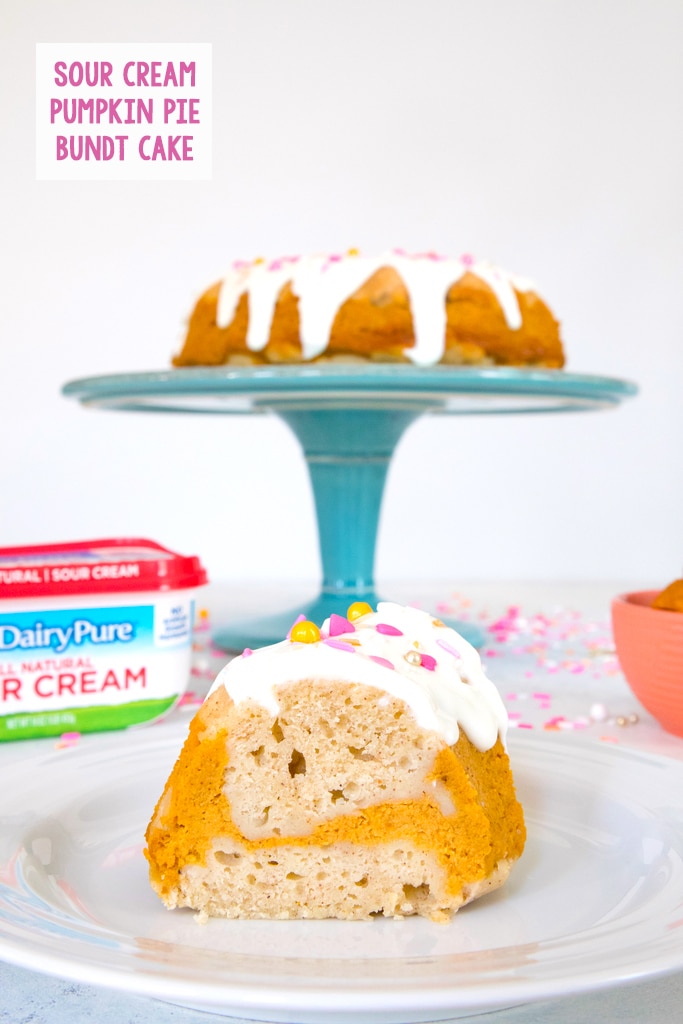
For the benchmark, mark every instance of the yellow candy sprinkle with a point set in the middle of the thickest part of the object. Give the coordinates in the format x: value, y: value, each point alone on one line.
x: 304, y: 633
x: 353, y: 252
x: 357, y: 609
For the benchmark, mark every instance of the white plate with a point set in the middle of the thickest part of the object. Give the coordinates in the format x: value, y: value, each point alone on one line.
x: 597, y: 898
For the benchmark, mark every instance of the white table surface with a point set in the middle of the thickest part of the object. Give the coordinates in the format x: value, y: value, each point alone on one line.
x: 551, y: 655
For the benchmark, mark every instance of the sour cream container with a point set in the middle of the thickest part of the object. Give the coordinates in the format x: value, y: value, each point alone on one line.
x: 94, y: 635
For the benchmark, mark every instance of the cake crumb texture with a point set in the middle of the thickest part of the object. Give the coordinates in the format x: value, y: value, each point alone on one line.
x: 340, y: 806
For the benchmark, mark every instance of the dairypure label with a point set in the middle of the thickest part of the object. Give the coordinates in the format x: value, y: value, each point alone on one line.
x: 73, y: 662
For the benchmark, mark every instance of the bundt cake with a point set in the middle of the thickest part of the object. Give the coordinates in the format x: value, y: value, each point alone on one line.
x: 422, y: 309
x: 349, y: 771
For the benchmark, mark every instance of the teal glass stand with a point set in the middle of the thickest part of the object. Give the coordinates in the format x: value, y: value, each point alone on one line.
x: 348, y: 420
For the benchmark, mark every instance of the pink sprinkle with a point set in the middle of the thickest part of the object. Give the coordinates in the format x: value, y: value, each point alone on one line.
x: 525, y: 725
x: 387, y: 630
x: 340, y: 645
x: 428, y: 662
x: 339, y: 625
x: 246, y: 652
x: 67, y: 739
x: 541, y: 696
x: 448, y: 647
x: 189, y: 698
x: 380, y: 661
x: 514, y: 714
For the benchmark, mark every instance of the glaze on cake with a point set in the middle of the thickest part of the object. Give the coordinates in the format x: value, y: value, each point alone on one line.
x: 423, y: 309
x: 350, y: 771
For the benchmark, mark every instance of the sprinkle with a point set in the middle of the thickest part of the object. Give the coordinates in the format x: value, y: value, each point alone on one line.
x: 298, y: 619
x: 449, y: 647
x: 190, y: 697
x: 387, y: 630
x: 428, y: 662
x: 413, y: 658
x: 68, y: 739
x: 541, y: 696
x: 304, y: 632
x: 380, y: 661
x: 203, y: 620
x: 246, y: 652
x: 340, y: 645
x: 339, y: 625
x: 357, y: 609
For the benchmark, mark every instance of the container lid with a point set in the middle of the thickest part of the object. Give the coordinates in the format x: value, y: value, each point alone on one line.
x: 114, y: 565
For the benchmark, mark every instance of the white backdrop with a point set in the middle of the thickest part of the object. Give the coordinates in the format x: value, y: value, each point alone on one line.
x: 542, y: 135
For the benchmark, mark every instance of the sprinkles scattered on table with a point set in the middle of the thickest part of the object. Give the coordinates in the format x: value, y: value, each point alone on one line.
x: 544, y: 651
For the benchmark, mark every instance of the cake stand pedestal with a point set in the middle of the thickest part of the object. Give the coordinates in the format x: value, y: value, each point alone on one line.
x: 348, y: 420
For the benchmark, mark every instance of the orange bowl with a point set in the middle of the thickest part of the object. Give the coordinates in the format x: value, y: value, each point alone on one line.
x: 649, y: 645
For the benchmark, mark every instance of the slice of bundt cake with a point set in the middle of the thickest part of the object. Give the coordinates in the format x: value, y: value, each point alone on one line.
x: 355, y: 770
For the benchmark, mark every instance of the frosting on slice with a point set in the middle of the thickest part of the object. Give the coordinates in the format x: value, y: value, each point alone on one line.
x: 401, y: 651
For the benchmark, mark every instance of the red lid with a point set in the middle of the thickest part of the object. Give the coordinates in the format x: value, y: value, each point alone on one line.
x: 95, y: 567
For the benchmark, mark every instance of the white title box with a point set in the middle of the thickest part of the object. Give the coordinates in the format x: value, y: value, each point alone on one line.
x: 123, y: 111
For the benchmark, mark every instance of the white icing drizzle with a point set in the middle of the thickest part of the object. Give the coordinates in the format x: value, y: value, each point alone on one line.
x: 323, y: 283
x: 455, y: 694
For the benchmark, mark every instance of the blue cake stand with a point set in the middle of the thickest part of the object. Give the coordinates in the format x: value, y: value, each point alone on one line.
x: 348, y: 420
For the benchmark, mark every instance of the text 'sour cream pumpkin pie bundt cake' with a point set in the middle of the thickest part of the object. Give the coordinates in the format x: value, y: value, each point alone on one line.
x: 422, y: 309
x: 355, y: 770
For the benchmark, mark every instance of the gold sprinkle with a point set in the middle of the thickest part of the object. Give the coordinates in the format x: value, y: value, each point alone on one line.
x: 413, y: 657
x: 357, y: 609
